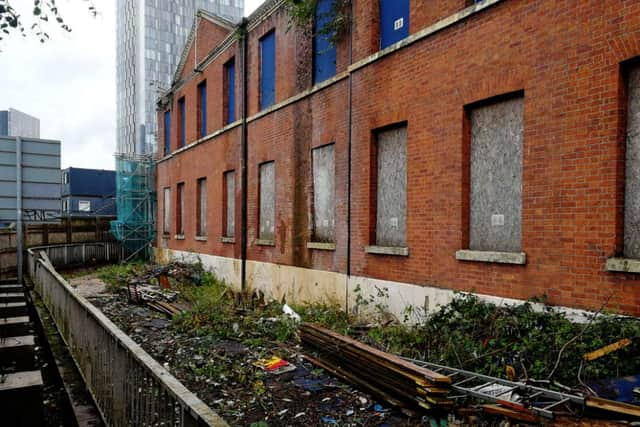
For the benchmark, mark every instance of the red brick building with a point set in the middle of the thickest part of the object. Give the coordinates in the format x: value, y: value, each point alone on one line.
x: 439, y: 146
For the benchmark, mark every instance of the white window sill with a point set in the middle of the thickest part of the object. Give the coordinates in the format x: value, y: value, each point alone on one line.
x: 201, y: 238
x: 517, y: 258
x: 179, y: 237
x: 387, y: 250
x: 321, y: 246
x: 265, y: 242
x: 622, y: 265
x: 228, y: 240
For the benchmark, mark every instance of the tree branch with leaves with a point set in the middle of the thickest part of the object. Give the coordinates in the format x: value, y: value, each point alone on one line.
x: 43, y: 13
x: 302, y: 14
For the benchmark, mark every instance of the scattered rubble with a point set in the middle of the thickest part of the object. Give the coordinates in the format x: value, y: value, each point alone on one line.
x: 242, y: 355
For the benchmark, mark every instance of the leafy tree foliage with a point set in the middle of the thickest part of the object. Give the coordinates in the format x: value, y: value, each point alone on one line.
x: 302, y: 14
x: 43, y: 13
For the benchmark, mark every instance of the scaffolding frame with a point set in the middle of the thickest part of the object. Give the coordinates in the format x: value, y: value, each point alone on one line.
x: 136, y: 202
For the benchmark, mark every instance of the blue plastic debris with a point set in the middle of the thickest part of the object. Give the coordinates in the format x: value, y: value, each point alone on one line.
x: 618, y: 389
x: 329, y: 420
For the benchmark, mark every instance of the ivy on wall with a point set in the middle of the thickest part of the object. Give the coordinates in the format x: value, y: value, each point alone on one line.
x: 302, y: 15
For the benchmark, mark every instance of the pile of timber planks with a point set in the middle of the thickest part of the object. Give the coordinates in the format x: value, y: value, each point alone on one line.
x: 164, y: 307
x: 389, y: 377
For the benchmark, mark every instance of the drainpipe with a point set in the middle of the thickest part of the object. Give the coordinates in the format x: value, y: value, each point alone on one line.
x: 350, y: 59
x: 244, y: 157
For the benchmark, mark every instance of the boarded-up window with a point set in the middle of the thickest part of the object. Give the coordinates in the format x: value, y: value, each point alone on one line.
x: 166, y: 228
x: 201, y: 207
x: 180, y: 209
x: 181, y: 123
x: 229, y: 84
x: 267, y: 70
x: 267, y: 201
x: 632, y: 166
x: 202, y: 109
x: 229, y: 203
x: 391, y: 191
x: 324, y: 194
x: 324, y: 51
x: 497, y: 131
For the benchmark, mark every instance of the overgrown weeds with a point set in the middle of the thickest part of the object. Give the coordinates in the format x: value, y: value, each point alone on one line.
x: 516, y: 341
x: 522, y: 342
x: 116, y: 276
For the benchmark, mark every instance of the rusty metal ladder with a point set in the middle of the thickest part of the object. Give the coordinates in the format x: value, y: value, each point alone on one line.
x: 537, y: 400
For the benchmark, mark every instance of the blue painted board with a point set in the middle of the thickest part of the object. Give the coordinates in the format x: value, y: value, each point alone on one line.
x: 267, y: 70
x: 167, y: 132
x: 181, y: 114
x: 324, y: 52
x: 618, y: 389
x: 394, y: 21
x: 202, y: 95
x: 231, y: 91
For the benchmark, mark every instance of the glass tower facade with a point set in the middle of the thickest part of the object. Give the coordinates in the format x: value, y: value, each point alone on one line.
x: 150, y: 37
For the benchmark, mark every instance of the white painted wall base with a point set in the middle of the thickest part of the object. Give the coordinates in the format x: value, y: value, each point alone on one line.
x: 360, y: 295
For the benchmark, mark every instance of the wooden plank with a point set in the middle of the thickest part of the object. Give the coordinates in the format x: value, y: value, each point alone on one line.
x: 510, y: 413
x: 12, y: 296
x: 607, y: 349
x: 14, y: 342
x: 12, y: 304
x: 14, y: 320
x: 613, y: 406
x: 350, y: 378
x: 20, y: 380
x: 355, y: 362
x: 391, y: 359
x: 388, y: 383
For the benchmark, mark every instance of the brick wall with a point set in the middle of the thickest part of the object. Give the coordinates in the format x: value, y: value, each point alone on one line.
x: 566, y: 57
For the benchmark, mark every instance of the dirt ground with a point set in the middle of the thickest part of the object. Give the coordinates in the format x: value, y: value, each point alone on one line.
x: 88, y: 286
x: 302, y: 397
x: 221, y: 372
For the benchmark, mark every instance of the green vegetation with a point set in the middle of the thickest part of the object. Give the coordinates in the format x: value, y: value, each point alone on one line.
x: 42, y: 11
x: 517, y: 341
x: 117, y: 276
x: 302, y: 15
x: 482, y: 337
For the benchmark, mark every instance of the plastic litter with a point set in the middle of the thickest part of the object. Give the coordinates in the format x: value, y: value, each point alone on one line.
x: 291, y: 313
x: 275, y: 365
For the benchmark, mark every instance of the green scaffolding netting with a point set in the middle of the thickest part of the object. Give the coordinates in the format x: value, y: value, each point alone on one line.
x: 136, y: 200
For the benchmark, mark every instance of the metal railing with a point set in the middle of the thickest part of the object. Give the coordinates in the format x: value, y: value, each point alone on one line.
x: 75, y: 254
x: 129, y: 387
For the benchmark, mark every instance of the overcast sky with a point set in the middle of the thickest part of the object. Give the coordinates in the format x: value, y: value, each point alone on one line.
x: 69, y: 81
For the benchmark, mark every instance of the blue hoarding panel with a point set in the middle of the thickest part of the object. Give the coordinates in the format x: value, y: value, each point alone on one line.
x: 231, y: 91
x: 182, y: 118
x: 167, y: 132
x: 202, y: 95
x: 394, y: 21
x: 267, y: 70
x: 324, y: 52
